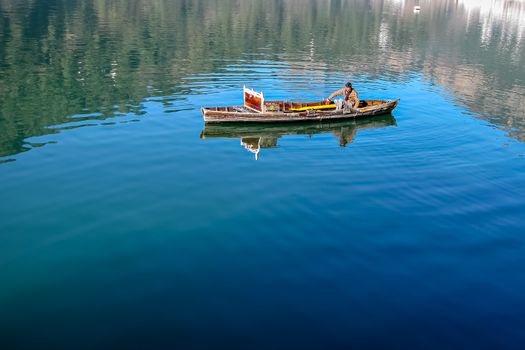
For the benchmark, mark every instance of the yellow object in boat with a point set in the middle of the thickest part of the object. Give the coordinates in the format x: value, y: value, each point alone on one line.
x: 308, y: 108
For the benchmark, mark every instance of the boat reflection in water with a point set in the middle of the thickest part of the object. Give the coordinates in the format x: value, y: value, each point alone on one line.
x: 255, y: 137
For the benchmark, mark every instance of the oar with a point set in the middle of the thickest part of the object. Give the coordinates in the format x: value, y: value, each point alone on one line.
x: 308, y: 108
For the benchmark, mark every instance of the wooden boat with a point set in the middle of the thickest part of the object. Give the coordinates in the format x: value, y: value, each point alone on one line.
x: 256, y: 109
x: 255, y: 137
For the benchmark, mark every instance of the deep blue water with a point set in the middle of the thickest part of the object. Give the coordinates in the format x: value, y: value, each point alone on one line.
x: 136, y: 230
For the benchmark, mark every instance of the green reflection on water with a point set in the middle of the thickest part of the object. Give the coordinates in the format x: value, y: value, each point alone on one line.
x: 60, y: 59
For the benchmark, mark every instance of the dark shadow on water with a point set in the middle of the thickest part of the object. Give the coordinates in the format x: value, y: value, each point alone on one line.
x: 255, y: 137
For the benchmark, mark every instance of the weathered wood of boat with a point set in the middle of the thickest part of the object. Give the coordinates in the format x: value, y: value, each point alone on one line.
x: 256, y: 109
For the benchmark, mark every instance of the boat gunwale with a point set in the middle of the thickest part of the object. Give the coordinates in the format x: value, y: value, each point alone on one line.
x: 225, y: 116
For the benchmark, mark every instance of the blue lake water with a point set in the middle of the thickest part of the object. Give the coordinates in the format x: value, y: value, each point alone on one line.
x: 125, y: 222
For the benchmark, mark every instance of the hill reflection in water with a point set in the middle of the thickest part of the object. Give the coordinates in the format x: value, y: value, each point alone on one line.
x: 108, y: 58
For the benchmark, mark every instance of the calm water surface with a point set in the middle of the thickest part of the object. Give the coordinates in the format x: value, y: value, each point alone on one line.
x: 125, y: 222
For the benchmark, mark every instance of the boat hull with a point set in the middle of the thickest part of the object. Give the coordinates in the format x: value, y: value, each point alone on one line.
x: 241, y: 114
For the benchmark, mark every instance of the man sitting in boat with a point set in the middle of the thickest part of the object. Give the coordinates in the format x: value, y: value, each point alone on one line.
x: 350, y: 102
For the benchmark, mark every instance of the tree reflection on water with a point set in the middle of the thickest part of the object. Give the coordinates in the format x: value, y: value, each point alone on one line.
x: 64, y: 59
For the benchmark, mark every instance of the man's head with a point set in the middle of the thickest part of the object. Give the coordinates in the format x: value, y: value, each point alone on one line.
x: 348, y: 86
